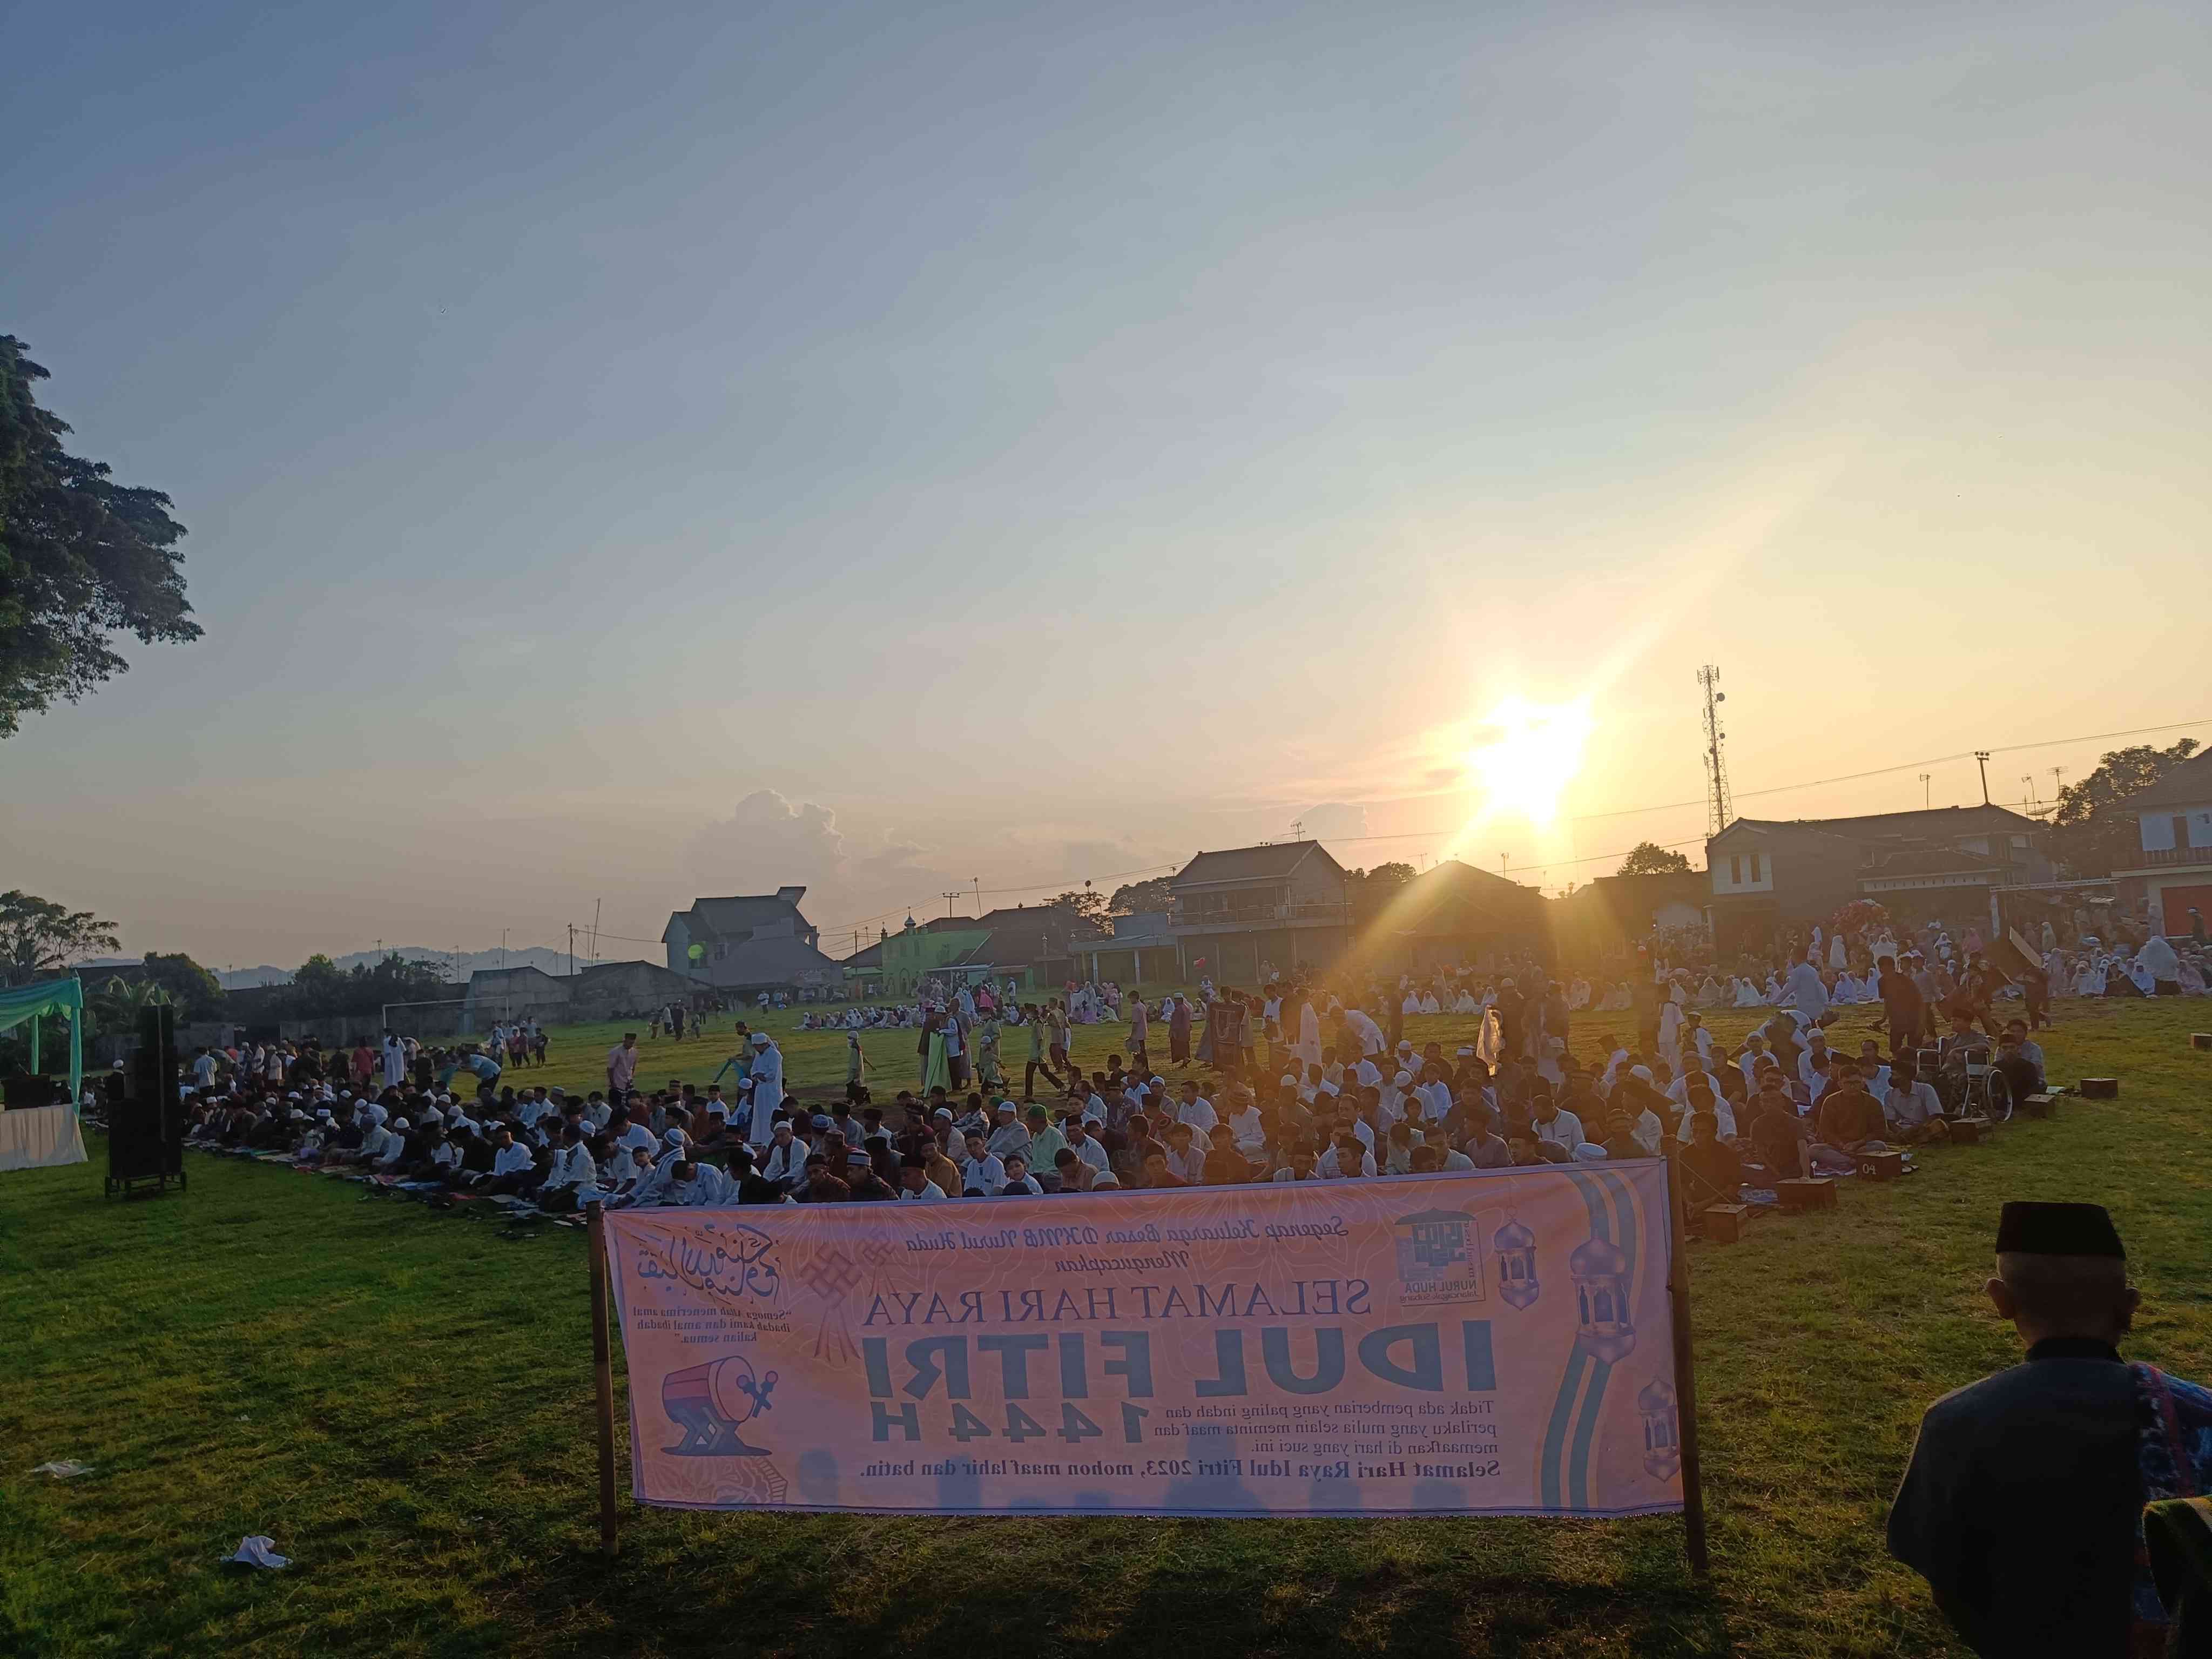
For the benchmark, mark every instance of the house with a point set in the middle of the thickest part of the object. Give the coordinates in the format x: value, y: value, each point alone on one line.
x: 1603, y: 918
x: 750, y: 943
x: 496, y: 995
x: 1454, y: 915
x: 616, y: 990
x: 1030, y: 943
x: 1285, y: 904
x: 1946, y: 863
x: 1139, y: 951
x: 2174, y: 827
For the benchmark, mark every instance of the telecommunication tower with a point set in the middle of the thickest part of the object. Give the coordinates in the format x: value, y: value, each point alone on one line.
x: 1709, y: 676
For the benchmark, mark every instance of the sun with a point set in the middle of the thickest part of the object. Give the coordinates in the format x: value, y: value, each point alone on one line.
x: 1533, y: 751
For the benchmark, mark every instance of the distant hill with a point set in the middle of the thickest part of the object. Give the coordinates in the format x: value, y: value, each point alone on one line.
x: 456, y: 970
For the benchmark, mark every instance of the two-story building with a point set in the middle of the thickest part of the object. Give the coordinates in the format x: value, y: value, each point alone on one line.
x: 1285, y: 904
x: 750, y: 943
x: 2174, y: 827
x: 1946, y: 862
x: 1031, y: 944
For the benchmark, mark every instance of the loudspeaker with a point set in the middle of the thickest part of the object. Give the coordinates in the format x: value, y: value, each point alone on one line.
x: 146, y: 1128
x: 21, y: 1088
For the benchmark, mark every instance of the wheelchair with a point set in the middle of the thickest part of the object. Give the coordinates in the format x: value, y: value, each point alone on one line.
x: 1970, y: 1085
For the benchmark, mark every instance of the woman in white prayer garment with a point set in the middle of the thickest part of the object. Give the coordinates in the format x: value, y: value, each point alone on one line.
x: 1708, y: 993
x: 1578, y: 994
x: 1747, y: 993
x: 2090, y: 976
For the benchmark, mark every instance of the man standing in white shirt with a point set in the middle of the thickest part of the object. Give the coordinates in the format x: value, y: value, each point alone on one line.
x: 622, y: 1066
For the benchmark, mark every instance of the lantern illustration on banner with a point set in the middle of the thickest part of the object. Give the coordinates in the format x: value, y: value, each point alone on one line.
x: 1516, y: 1264
x: 1663, y: 1445
x: 1602, y: 1323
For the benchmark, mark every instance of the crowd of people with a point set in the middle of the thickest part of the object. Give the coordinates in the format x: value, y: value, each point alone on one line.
x: 1295, y: 1081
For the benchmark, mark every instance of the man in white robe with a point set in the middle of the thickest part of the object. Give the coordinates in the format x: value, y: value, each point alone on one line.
x: 1804, y: 992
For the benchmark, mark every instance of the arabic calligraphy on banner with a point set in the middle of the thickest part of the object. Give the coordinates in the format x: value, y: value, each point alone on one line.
x: 1495, y: 1342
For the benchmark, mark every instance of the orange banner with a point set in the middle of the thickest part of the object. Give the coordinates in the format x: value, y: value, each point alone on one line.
x: 1496, y: 1342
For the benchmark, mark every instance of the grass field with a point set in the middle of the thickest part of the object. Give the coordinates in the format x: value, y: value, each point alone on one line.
x: 404, y: 1402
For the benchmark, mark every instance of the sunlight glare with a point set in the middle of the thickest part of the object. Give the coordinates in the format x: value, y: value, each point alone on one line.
x: 1534, y: 751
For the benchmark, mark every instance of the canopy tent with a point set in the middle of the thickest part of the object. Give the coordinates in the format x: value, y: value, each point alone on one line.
x: 65, y: 997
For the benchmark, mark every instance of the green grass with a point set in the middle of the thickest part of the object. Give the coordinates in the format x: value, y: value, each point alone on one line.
x: 404, y: 1402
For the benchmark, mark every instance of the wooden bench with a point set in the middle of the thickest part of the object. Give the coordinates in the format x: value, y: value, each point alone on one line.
x: 1806, y: 1192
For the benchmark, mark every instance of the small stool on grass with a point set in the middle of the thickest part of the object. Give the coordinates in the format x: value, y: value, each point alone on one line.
x: 1806, y: 1192
x: 2040, y: 1105
x: 2098, y: 1088
x: 1881, y: 1166
x: 1968, y: 1131
x: 2200, y: 1039
x: 1722, y: 1224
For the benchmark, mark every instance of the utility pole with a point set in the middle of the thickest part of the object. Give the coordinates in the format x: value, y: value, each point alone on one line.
x: 948, y: 898
x: 502, y: 948
x: 978, y: 880
x: 1709, y: 676
x: 1926, y: 796
x: 1982, y: 759
x: 572, y: 949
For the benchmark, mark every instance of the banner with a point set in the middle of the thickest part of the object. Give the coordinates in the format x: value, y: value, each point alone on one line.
x: 1496, y: 1342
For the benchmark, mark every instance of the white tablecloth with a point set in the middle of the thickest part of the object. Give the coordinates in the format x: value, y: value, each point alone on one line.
x: 39, y: 1137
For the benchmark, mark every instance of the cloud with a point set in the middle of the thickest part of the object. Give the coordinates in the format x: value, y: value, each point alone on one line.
x: 769, y: 843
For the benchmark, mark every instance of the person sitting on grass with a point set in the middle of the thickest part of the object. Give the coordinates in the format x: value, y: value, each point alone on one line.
x: 981, y: 1174
x: 2022, y: 1076
x: 1912, y: 1108
x: 1849, y: 1121
x: 1778, y: 1138
x: 1020, y: 1183
x: 1712, y: 1171
x: 1078, y: 1175
x: 914, y: 1178
x: 573, y: 1177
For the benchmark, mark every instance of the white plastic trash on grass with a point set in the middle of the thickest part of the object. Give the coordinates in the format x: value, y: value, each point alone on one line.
x: 258, y: 1551
x: 63, y: 1469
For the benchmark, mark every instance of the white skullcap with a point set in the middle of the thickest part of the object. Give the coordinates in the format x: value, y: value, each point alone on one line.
x: 1289, y: 1082
x: 1642, y: 1071
x: 399, y: 1123
x: 1401, y: 1079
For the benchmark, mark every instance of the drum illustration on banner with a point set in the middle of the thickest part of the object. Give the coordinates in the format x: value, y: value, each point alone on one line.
x: 711, y: 1402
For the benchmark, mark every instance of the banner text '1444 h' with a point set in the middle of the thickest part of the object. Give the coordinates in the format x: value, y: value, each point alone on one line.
x: 1494, y: 1343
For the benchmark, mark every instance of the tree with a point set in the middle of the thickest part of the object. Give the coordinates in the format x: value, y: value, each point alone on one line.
x: 82, y: 558
x: 196, y: 992
x: 1649, y: 859
x: 39, y: 939
x: 1085, y: 906
x: 1138, y: 896
x: 1370, y: 891
x: 2093, y: 833
x: 320, y: 989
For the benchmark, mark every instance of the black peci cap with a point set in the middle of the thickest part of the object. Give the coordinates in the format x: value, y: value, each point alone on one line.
x: 2057, y: 1229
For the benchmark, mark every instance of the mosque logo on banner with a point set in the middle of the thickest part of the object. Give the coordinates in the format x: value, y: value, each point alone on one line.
x: 1439, y: 1257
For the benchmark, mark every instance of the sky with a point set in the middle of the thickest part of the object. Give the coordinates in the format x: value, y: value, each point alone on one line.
x: 637, y: 453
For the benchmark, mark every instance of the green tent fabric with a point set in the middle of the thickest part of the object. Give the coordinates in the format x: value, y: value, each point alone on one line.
x: 27, y: 1003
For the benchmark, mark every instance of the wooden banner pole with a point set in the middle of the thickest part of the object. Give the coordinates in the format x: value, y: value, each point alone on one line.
x: 1686, y: 1383
x: 602, y: 1363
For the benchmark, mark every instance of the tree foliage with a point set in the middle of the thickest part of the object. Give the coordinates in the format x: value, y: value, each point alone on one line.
x: 1370, y: 890
x: 2093, y: 833
x: 39, y: 939
x: 1649, y: 859
x: 1085, y: 906
x: 195, y: 991
x: 1132, y: 898
x: 83, y: 558
x: 320, y: 989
